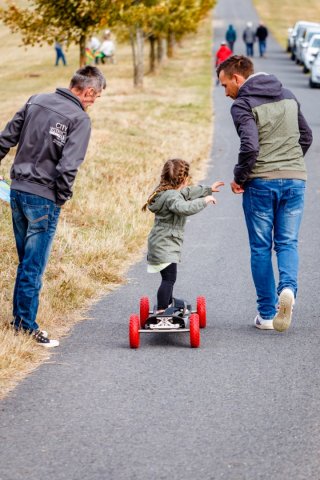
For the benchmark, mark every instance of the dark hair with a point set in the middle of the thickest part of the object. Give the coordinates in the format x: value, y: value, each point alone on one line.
x: 173, y: 174
x: 236, y: 64
x: 88, y: 76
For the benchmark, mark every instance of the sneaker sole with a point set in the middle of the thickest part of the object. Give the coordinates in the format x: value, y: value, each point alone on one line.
x: 282, y: 320
x: 52, y: 344
x: 264, y: 327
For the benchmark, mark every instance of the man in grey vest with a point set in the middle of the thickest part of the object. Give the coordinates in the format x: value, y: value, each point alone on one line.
x: 271, y: 175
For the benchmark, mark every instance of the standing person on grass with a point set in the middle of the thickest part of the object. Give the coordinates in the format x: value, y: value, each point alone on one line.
x: 271, y: 175
x: 171, y: 202
x: 52, y: 131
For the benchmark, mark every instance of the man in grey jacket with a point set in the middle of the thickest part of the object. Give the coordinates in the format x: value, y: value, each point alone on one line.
x: 271, y: 174
x: 52, y: 132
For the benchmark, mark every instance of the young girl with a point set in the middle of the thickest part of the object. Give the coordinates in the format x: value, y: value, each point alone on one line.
x: 171, y: 202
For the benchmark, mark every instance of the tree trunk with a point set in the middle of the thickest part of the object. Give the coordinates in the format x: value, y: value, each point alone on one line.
x: 82, y: 45
x: 137, y: 43
x: 160, y: 50
x: 170, y: 44
x: 152, y: 57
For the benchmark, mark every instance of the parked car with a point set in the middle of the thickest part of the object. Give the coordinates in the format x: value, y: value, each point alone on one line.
x: 311, y: 52
x: 296, y: 33
x: 314, y: 80
x: 303, y: 43
x: 301, y: 32
x: 290, y: 30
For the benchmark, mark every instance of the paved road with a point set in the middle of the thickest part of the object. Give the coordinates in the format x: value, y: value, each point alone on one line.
x: 243, y: 406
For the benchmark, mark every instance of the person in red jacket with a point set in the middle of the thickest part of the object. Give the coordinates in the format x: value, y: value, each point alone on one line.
x: 222, y: 54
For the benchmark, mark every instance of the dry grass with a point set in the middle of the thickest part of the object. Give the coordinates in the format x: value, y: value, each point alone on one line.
x: 102, y: 229
x: 280, y: 16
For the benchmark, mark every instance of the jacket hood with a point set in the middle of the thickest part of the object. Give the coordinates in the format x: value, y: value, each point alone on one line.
x: 261, y: 85
x: 158, y: 201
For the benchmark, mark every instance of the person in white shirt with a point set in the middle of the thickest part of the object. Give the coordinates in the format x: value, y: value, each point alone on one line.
x: 107, y: 48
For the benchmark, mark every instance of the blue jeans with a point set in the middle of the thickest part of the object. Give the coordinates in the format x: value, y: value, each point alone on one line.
x: 249, y: 48
x: 34, y: 224
x: 273, y: 211
x: 60, y: 55
x: 262, y: 47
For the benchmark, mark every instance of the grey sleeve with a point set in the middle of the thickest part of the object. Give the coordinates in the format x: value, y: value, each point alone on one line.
x: 196, y: 191
x: 305, y: 140
x: 73, y: 155
x: 249, y: 141
x: 186, y: 207
x: 10, y: 136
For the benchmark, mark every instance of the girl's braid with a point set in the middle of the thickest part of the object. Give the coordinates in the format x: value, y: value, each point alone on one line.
x: 173, y: 174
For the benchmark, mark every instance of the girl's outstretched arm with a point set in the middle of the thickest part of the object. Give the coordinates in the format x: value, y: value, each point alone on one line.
x: 216, y: 185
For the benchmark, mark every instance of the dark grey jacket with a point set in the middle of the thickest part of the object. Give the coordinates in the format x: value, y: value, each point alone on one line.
x: 52, y: 131
x: 274, y: 134
x: 171, y: 208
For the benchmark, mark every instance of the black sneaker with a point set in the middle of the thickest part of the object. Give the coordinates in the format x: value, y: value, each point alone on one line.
x: 43, y: 340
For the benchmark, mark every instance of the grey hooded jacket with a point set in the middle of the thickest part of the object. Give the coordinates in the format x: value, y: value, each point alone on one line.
x: 171, y: 208
x: 274, y: 134
x: 52, y: 132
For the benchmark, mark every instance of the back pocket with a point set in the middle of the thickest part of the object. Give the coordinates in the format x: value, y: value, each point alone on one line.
x: 37, y: 216
x: 260, y: 202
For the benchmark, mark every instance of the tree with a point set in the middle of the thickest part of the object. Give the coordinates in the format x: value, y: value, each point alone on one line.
x: 45, y: 20
x: 158, y: 19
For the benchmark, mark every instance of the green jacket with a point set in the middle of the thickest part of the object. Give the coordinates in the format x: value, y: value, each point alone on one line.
x: 171, y: 208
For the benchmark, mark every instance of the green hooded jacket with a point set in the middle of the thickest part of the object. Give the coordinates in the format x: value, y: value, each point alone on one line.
x: 171, y: 208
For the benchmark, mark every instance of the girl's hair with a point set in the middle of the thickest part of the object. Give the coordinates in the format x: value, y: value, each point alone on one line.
x: 173, y: 174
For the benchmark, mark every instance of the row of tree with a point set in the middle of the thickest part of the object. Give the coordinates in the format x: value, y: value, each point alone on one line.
x: 136, y: 20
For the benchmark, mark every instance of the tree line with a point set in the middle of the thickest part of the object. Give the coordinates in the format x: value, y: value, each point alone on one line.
x: 161, y: 23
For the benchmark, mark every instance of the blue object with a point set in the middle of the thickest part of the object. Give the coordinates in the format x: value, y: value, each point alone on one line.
x: 4, y: 191
x: 34, y: 224
x: 273, y: 211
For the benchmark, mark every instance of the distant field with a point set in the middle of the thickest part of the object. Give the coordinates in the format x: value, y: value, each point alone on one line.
x: 281, y: 15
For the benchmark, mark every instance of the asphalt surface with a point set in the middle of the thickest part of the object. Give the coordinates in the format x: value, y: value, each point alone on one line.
x: 243, y: 406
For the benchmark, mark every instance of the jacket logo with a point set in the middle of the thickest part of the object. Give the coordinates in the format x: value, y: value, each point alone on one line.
x: 60, y: 133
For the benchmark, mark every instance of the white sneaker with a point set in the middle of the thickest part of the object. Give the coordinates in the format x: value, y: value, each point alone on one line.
x: 263, y: 324
x: 282, y: 319
x: 45, y: 341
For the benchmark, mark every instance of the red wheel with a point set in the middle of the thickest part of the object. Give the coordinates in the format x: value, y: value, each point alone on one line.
x: 134, y: 335
x: 144, y: 310
x: 194, y: 330
x: 202, y: 311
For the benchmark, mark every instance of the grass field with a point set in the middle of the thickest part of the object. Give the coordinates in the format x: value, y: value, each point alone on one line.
x: 102, y: 229
x: 279, y: 16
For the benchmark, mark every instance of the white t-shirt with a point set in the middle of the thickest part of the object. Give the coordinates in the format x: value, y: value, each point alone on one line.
x: 94, y: 43
x: 107, y: 47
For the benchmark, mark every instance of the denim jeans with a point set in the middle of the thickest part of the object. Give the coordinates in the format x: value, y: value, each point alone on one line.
x: 262, y: 47
x: 273, y: 212
x: 34, y: 224
x: 249, y: 48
